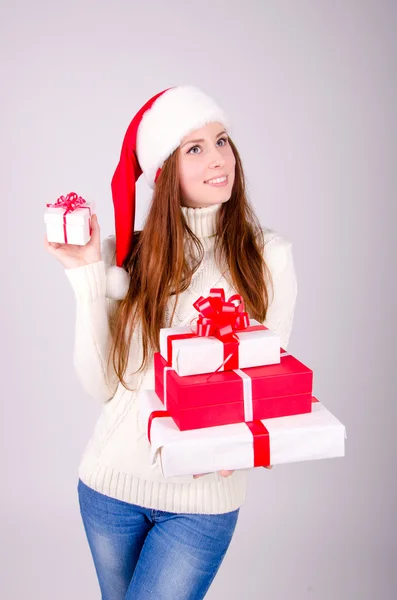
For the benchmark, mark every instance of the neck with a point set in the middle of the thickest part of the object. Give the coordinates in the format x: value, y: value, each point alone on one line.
x: 202, y: 221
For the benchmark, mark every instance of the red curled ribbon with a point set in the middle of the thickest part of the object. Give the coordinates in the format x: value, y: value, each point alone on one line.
x: 70, y: 202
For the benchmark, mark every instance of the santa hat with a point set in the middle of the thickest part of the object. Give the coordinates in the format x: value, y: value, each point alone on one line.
x: 152, y: 136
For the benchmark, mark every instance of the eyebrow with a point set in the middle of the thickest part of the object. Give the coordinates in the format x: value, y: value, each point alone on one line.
x: 196, y: 141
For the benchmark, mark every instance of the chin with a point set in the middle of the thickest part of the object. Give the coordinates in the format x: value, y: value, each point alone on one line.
x: 218, y: 196
x: 212, y: 201
x: 209, y: 199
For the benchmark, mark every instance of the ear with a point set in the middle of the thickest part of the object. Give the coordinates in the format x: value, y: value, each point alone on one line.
x: 117, y: 283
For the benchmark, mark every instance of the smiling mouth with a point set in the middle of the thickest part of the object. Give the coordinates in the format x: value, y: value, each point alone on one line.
x: 218, y: 180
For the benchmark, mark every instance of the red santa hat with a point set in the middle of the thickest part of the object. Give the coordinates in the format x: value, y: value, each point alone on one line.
x: 152, y: 136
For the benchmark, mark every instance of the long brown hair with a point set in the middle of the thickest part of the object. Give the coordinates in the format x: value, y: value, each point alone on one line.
x: 159, y: 264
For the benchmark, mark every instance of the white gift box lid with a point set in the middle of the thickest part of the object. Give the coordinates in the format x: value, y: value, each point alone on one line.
x: 202, y: 354
x: 76, y: 217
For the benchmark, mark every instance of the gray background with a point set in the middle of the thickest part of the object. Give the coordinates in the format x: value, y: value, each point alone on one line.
x: 311, y: 90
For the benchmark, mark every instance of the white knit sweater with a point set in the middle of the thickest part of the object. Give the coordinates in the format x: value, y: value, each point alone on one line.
x: 116, y: 459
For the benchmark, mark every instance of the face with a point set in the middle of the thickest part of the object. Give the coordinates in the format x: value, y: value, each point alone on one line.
x: 204, y: 155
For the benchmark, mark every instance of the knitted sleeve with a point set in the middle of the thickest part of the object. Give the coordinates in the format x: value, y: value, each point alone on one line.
x: 279, y: 259
x: 92, y: 330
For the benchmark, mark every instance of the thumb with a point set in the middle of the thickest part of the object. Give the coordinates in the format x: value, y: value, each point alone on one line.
x: 94, y: 221
x: 96, y: 230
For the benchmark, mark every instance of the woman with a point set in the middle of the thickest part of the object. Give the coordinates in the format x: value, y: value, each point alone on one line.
x: 152, y: 537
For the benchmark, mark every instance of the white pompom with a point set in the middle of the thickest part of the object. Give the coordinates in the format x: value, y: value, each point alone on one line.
x: 117, y: 283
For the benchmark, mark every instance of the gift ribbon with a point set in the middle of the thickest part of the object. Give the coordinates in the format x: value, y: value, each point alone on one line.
x: 247, y: 395
x: 154, y: 415
x: 221, y: 319
x: 261, y: 440
x: 69, y: 202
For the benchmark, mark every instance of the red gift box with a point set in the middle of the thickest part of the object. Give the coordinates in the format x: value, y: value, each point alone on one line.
x: 223, y: 398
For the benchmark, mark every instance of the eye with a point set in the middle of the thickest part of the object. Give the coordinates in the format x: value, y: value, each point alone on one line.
x: 192, y: 148
x: 223, y: 139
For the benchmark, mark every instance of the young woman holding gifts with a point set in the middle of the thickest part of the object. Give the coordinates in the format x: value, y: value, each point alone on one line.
x: 152, y: 537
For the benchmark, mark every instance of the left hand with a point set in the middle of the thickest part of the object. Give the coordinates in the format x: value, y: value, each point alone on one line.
x: 225, y: 473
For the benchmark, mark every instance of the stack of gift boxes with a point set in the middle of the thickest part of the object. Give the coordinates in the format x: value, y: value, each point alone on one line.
x: 227, y: 396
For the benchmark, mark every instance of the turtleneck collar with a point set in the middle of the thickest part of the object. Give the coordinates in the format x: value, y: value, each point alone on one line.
x: 202, y: 221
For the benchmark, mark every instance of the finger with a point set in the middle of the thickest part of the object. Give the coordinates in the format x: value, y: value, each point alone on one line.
x: 269, y: 467
x: 95, y: 224
x: 201, y: 475
x: 95, y: 238
x: 225, y: 473
x: 50, y: 246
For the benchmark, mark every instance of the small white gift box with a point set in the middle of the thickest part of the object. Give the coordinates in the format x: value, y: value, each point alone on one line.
x: 196, y: 355
x: 68, y: 221
x: 275, y: 441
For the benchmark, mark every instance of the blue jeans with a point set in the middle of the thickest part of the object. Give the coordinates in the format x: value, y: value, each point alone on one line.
x: 140, y: 553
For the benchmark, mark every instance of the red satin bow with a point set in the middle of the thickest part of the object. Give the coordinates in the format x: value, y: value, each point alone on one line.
x: 220, y: 318
x: 71, y: 201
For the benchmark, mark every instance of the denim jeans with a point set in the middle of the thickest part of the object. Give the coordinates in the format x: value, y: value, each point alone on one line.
x: 140, y: 553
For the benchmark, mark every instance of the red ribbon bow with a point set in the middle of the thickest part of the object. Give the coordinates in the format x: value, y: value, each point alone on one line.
x: 221, y: 318
x: 70, y: 202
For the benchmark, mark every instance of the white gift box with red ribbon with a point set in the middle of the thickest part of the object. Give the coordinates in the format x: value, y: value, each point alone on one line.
x: 68, y: 220
x: 195, y: 355
x: 303, y: 437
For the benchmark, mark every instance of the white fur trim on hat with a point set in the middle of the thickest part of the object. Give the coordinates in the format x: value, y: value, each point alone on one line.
x: 173, y: 115
x: 117, y: 283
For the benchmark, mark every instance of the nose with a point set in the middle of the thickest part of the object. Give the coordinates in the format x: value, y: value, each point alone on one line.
x: 216, y: 159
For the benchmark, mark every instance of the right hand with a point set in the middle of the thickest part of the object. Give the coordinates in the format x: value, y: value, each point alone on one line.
x: 72, y: 255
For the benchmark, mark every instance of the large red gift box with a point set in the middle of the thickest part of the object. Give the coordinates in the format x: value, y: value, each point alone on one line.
x: 223, y: 398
